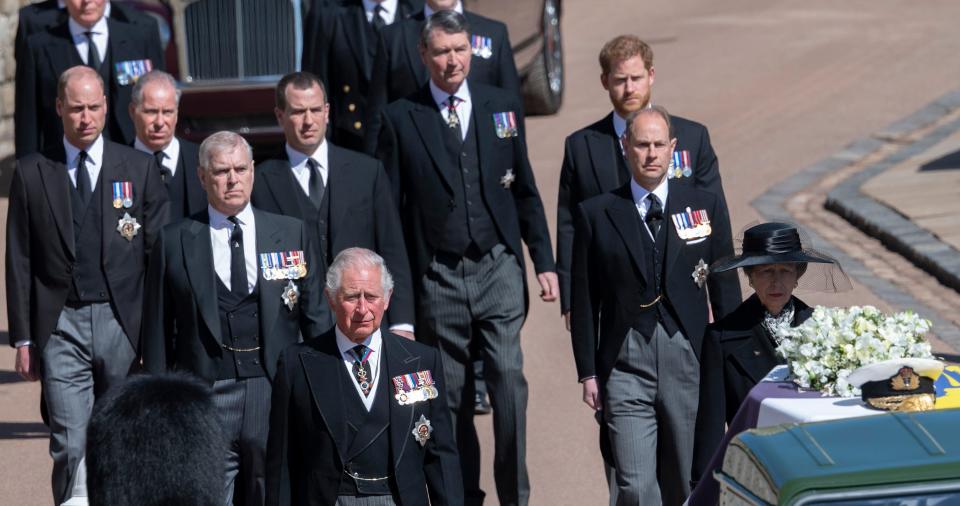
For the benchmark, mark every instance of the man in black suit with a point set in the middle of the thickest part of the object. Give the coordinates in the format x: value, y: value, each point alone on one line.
x: 640, y: 309
x: 154, y: 108
x: 455, y: 154
x: 398, y: 71
x: 593, y: 161
x: 343, y: 197
x: 227, y: 290
x: 359, y: 414
x: 119, y: 52
x: 81, y: 221
x: 340, y: 46
x: 39, y: 16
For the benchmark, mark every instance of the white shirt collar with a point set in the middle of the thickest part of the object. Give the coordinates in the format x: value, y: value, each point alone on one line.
x: 389, y: 9
x: 219, y: 220
x: 640, y: 195
x: 172, y: 152
x: 374, y: 342
x: 427, y: 11
x: 298, y: 160
x: 619, y: 125
x: 94, y: 152
x: 99, y: 28
x: 440, y: 96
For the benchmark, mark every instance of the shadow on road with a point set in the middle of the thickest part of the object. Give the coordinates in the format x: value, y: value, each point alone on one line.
x: 23, y: 430
x: 946, y: 162
x: 7, y: 377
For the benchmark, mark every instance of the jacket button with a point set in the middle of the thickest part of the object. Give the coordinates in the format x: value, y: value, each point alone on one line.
x: 352, y: 107
x: 346, y: 88
x: 357, y: 125
x: 103, y: 294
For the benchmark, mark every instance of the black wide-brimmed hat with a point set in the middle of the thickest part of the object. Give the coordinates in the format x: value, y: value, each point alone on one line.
x: 781, y: 243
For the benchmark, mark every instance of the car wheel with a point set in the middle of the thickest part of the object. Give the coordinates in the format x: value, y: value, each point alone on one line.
x: 543, y: 85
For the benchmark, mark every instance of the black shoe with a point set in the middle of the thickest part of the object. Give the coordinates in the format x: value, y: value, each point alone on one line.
x: 481, y: 406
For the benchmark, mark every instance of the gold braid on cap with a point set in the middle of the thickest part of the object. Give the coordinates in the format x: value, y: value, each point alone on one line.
x: 918, y: 402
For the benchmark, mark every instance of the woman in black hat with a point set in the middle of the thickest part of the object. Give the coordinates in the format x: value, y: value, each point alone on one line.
x: 739, y: 350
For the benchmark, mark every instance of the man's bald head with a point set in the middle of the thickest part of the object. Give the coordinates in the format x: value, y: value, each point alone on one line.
x: 81, y: 105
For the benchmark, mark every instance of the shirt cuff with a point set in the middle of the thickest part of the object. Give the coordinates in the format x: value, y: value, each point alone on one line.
x: 25, y: 342
x: 587, y: 378
x: 403, y: 327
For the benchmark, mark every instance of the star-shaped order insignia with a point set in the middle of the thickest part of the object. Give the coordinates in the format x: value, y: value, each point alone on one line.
x: 700, y: 272
x: 422, y: 430
x: 508, y: 179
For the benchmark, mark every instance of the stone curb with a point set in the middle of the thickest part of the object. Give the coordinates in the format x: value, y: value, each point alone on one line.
x: 875, y: 218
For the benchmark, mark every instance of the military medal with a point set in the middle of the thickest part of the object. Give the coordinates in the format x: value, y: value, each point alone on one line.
x: 700, y: 272
x: 416, y: 387
x: 482, y: 46
x: 422, y: 430
x: 687, y: 167
x: 122, y: 194
x: 128, y: 72
x: 692, y: 224
x: 506, y: 124
x: 128, y: 227
x: 291, y: 294
x: 507, y: 179
x: 283, y: 265
x: 680, y: 165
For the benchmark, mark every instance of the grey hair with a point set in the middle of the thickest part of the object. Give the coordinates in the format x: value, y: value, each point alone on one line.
x: 658, y: 110
x: 450, y: 22
x: 222, y: 141
x: 154, y: 76
x: 357, y: 258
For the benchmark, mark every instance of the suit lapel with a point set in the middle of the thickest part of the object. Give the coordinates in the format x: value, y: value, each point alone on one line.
x: 338, y: 172
x: 56, y: 184
x: 63, y: 56
x: 110, y: 170
x: 626, y: 220
x: 282, y: 186
x: 324, y: 381
x: 269, y: 239
x: 756, y: 355
x: 411, y: 38
x: 424, y: 116
x: 676, y: 200
x: 483, y: 122
x: 194, y: 191
x: 399, y: 361
x: 606, y: 155
x: 198, y: 259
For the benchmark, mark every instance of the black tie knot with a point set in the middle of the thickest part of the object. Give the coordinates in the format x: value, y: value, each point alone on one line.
x: 359, y: 352
x: 377, y: 20
x: 654, y: 214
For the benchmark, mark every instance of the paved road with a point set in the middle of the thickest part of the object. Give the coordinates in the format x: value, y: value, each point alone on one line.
x: 781, y: 84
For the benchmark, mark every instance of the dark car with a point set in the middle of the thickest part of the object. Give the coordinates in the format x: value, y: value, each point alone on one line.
x: 229, y: 54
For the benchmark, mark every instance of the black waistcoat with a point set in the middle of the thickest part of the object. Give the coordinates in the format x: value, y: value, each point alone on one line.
x: 368, y: 438
x: 471, y: 221
x: 656, y: 253
x: 89, y: 282
x: 317, y: 220
x: 240, y: 329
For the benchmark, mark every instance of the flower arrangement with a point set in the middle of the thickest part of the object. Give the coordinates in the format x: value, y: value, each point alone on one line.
x: 833, y: 342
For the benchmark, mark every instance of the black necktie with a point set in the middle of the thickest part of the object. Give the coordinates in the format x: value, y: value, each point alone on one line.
x: 316, y: 183
x: 361, y: 367
x: 93, y: 56
x: 654, y: 215
x: 377, y: 20
x: 238, y: 266
x: 165, y: 174
x: 83, y: 178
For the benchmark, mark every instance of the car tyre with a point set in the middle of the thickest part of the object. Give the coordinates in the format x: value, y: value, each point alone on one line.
x: 543, y: 85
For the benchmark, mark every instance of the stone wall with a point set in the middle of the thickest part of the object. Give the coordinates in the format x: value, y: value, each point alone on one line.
x: 8, y: 31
